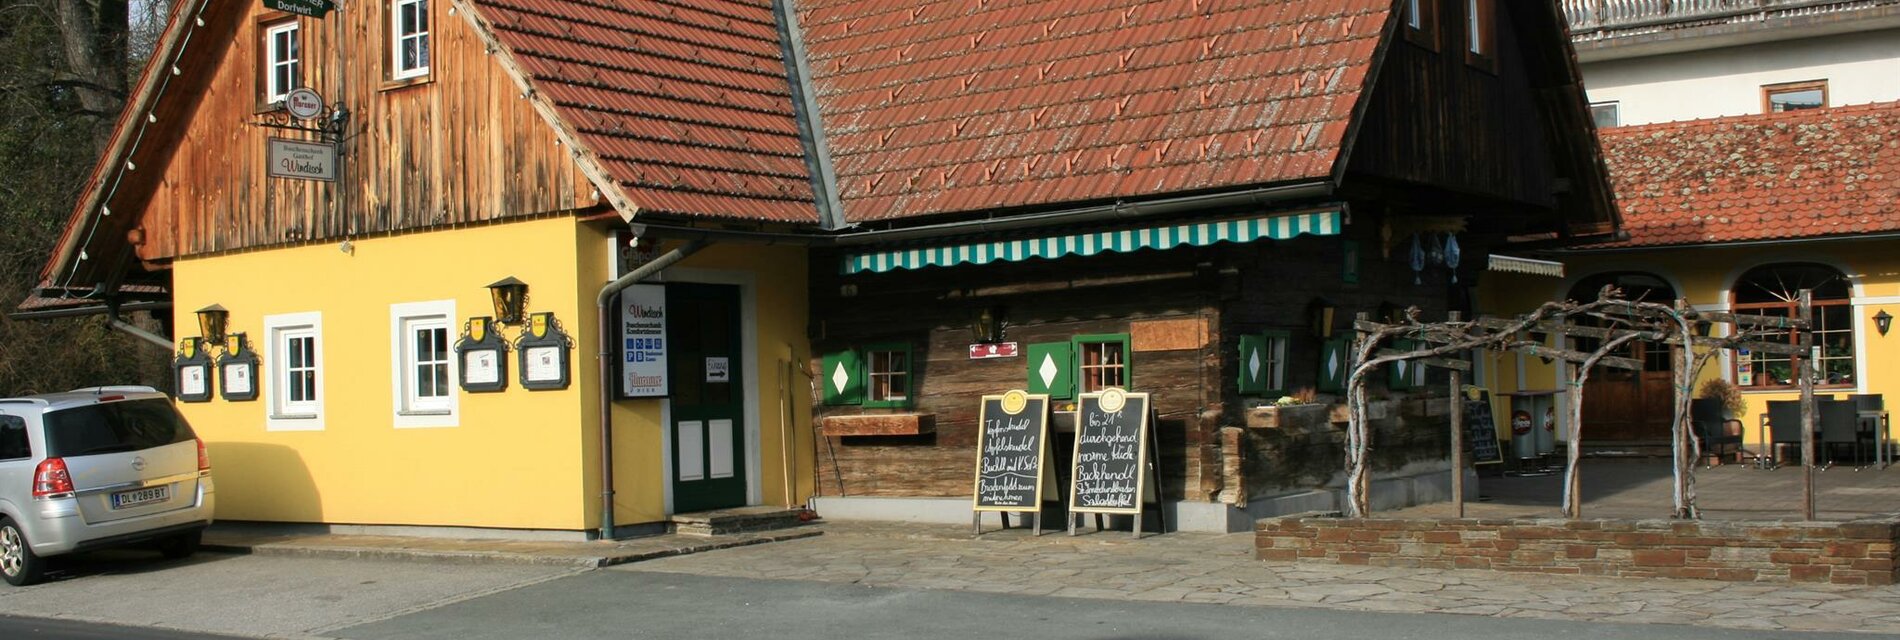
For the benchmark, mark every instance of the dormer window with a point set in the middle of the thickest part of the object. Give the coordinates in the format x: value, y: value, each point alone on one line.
x: 409, y: 39
x: 283, y: 60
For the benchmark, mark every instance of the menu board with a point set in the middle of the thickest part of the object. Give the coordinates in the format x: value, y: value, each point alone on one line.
x: 1011, y: 442
x: 1111, y: 449
x: 1481, y: 431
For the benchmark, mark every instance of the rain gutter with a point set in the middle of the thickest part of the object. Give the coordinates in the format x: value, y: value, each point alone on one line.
x: 605, y: 304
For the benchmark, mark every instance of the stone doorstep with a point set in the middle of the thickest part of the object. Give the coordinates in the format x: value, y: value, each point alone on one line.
x: 580, y: 555
x: 724, y: 522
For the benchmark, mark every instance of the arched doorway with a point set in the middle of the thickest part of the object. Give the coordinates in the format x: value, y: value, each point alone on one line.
x: 1619, y: 405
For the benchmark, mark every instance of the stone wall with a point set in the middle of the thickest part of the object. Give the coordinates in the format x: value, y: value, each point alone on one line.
x: 1856, y: 552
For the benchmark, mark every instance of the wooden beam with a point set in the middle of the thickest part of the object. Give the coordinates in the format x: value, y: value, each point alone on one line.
x: 1442, y: 363
x: 1771, y: 322
x: 1605, y: 333
x: 1568, y: 355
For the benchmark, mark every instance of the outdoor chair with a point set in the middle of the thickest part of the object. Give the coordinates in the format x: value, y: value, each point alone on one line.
x: 1840, y: 425
x: 1784, y: 427
x: 1715, y: 431
x: 1872, y: 410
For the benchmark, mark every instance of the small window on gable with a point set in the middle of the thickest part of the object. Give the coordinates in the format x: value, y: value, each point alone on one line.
x: 1794, y: 96
x: 409, y: 39
x: 283, y: 60
x: 1606, y: 115
x: 1101, y: 362
x: 887, y: 375
x: 1421, y: 23
x: 1480, y: 34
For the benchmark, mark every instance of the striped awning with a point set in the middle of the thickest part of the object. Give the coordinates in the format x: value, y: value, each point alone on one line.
x: 1531, y: 266
x: 1191, y: 234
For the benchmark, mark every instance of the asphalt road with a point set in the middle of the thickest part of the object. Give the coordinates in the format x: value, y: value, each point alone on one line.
x: 627, y: 604
x: 374, y: 600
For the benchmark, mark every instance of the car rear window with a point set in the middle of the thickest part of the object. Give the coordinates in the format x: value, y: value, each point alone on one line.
x: 114, y: 427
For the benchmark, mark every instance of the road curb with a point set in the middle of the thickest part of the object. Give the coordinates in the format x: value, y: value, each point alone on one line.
x: 609, y: 556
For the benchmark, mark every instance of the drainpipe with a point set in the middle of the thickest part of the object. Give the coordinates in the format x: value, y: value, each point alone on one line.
x: 112, y: 320
x: 605, y: 303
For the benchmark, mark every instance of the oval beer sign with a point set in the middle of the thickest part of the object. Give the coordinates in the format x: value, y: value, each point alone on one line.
x: 303, y: 103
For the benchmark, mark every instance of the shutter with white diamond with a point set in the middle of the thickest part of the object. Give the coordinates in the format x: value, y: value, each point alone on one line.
x: 1404, y: 373
x: 1253, y: 365
x: 1334, y: 359
x: 1052, y: 369
x: 843, y: 378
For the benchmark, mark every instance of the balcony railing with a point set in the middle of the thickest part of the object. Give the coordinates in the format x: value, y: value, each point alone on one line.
x: 1610, y: 15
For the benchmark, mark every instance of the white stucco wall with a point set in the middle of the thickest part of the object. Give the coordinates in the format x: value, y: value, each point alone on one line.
x: 1859, y: 68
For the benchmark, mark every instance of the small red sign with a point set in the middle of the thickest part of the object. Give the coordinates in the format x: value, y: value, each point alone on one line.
x: 993, y: 350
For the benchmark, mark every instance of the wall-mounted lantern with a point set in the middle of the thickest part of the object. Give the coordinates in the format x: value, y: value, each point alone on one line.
x: 1319, y: 316
x: 511, y: 300
x: 211, y: 321
x: 987, y: 326
x: 1883, y: 321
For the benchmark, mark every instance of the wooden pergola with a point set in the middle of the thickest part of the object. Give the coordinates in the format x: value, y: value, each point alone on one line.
x: 1614, y: 322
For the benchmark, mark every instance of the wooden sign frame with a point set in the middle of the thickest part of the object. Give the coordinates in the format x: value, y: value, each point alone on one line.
x: 1027, y: 402
x: 1146, y: 493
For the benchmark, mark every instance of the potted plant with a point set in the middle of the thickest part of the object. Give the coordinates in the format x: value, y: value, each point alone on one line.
x: 1730, y: 397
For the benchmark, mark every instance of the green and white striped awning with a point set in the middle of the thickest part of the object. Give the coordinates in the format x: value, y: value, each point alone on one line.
x: 1191, y: 234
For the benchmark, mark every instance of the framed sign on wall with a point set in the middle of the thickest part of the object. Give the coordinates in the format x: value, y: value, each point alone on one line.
x: 643, y: 341
x: 483, y: 356
x: 237, y: 370
x: 543, y: 350
x: 191, y: 372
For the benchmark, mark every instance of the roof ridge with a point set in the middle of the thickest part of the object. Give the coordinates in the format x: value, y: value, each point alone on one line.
x: 1798, y: 114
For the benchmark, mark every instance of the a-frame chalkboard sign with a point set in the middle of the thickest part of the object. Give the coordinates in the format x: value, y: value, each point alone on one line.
x: 1114, y: 464
x: 1012, y: 450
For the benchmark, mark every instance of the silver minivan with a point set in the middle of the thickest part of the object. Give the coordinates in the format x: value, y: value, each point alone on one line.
x: 96, y: 468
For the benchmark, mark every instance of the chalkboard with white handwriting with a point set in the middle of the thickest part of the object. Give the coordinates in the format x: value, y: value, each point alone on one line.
x: 1111, y: 453
x: 1012, y: 437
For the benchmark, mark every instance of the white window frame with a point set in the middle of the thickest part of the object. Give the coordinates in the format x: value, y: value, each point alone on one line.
x: 408, y: 409
x: 272, y: 92
x: 397, y: 39
x: 284, y: 415
x: 1616, y: 110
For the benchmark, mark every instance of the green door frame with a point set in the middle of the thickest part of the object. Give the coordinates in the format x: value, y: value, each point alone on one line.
x: 690, y: 354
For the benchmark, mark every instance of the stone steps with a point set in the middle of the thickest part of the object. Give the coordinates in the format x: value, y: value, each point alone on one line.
x: 733, y: 521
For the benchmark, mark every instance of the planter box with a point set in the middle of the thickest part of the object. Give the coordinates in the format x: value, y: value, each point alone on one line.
x: 1375, y: 410
x: 891, y: 424
x: 1302, y: 416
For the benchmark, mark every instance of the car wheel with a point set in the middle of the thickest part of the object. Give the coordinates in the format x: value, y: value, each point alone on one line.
x: 18, y: 564
x: 181, y: 545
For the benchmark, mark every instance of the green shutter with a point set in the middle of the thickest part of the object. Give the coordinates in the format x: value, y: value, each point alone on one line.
x: 1400, y: 374
x: 843, y: 377
x: 1335, y: 362
x: 1253, y: 365
x: 1052, y: 369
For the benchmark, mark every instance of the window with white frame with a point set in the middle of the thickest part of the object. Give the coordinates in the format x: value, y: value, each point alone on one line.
x: 409, y: 39
x: 283, y: 60
x: 424, y: 375
x: 294, y: 391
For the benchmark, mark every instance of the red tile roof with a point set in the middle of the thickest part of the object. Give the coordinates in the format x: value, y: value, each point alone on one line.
x: 935, y: 107
x: 1799, y: 174
x: 685, y: 102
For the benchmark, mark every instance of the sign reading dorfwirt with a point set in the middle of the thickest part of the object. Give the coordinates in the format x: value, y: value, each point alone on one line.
x: 643, y: 341
x: 302, y: 160
x: 312, y: 8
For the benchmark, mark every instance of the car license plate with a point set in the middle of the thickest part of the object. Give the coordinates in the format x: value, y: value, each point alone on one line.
x: 147, y: 495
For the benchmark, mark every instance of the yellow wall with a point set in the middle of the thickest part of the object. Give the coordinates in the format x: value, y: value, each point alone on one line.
x: 1704, y: 276
x: 779, y: 288
x: 517, y: 459
x: 513, y: 461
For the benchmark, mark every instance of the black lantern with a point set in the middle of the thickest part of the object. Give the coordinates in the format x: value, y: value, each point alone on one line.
x: 1319, y: 314
x: 1883, y: 321
x: 511, y: 299
x: 1704, y: 327
x: 211, y: 324
x: 987, y: 326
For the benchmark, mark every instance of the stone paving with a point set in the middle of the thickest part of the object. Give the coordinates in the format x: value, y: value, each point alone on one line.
x: 1219, y: 569
x: 264, y: 541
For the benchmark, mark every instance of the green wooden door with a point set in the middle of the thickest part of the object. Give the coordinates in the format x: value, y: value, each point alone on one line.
x: 708, y: 409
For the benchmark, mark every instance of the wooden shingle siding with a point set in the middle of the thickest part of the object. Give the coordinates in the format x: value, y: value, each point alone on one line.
x: 461, y: 148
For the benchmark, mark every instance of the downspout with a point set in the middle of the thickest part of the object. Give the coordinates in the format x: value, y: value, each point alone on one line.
x: 605, y: 303
x: 112, y: 320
